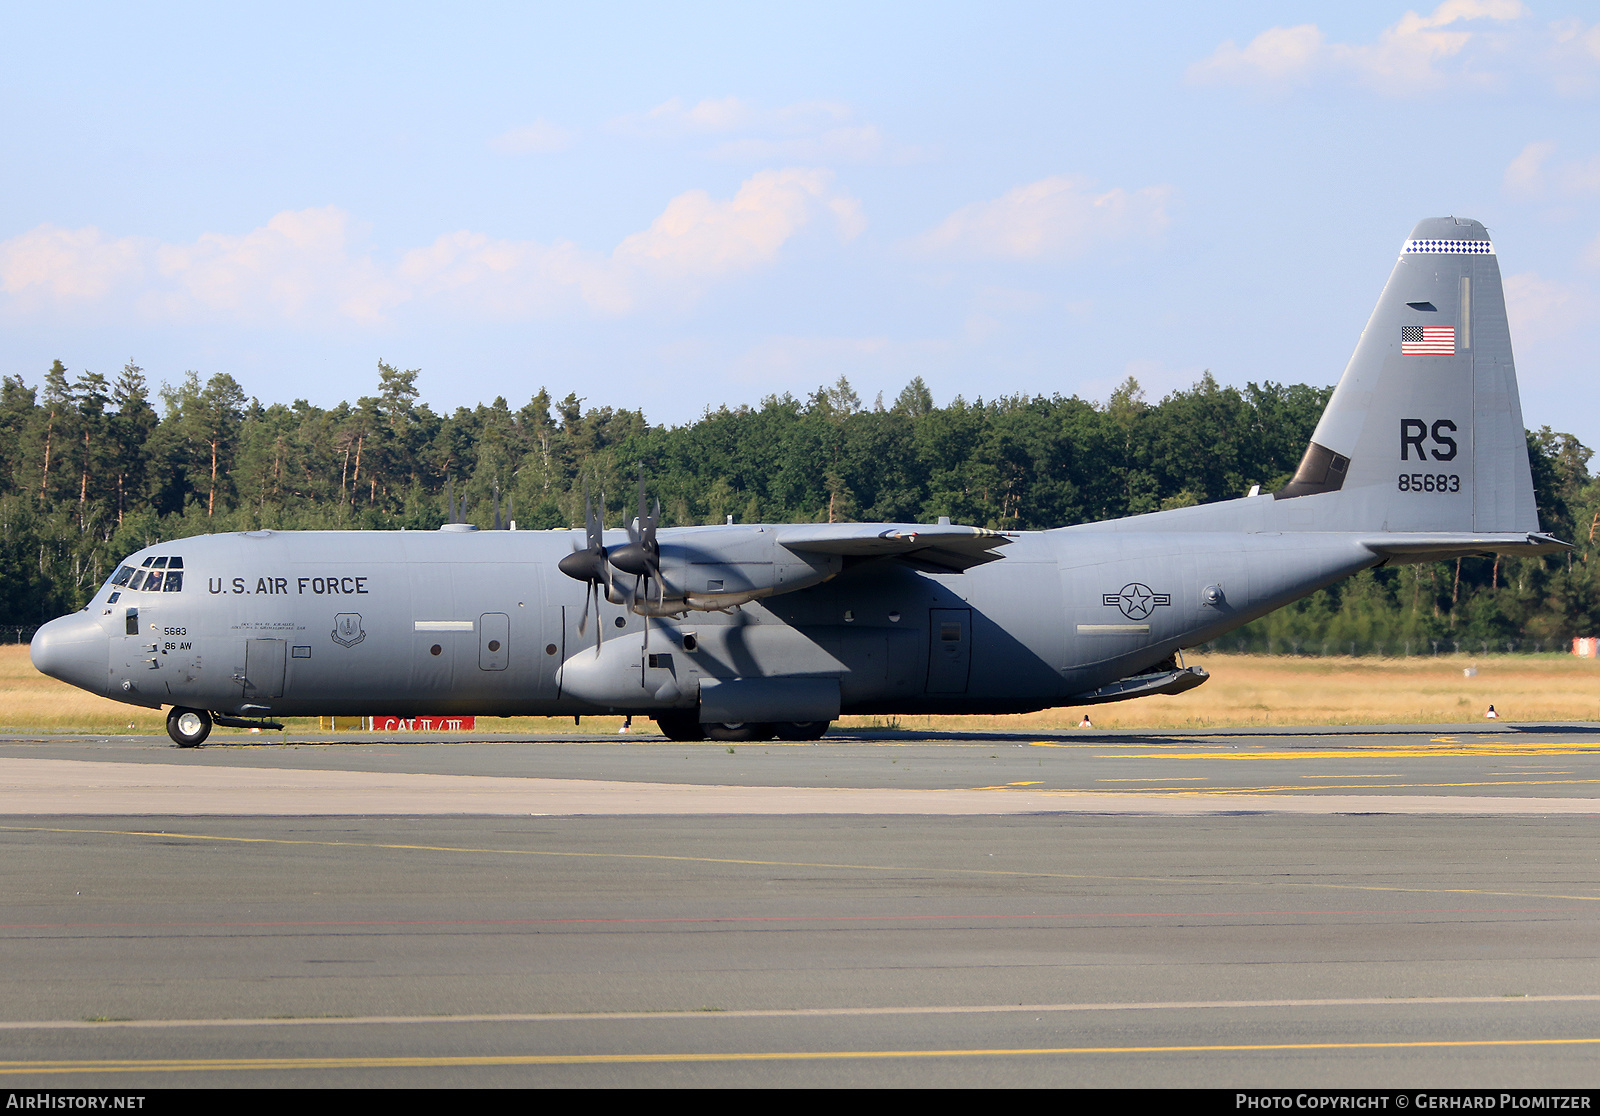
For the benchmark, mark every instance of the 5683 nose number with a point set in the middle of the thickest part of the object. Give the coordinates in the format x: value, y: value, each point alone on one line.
x: 1430, y: 482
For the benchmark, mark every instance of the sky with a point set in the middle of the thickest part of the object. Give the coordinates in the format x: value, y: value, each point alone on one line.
x: 679, y: 207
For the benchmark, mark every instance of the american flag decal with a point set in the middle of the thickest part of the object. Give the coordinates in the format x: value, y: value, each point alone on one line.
x: 1428, y: 340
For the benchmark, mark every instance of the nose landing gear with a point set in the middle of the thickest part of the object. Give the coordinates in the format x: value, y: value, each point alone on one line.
x: 188, y: 727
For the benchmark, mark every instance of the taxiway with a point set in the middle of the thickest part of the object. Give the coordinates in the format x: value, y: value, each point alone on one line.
x: 1406, y: 906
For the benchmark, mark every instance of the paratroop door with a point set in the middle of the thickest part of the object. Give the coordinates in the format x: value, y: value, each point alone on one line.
x: 949, y: 650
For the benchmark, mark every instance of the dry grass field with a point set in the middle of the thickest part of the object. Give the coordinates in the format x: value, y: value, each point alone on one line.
x: 1243, y: 690
x: 1284, y: 690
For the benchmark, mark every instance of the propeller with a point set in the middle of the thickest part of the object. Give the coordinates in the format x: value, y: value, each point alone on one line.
x: 591, y: 564
x: 641, y: 557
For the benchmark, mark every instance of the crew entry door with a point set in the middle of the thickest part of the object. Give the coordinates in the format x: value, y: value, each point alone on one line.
x: 263, y: 667
x: 949, y: 650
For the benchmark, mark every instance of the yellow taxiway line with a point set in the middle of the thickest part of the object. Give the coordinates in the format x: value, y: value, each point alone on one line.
x: 201, y: 1065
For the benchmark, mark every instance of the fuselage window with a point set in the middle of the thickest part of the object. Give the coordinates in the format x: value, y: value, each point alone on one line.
x: 161, y: 562
x: 138, y: 579
x: 152, y: 583
x: 174, y: 582
x: 123, y: 575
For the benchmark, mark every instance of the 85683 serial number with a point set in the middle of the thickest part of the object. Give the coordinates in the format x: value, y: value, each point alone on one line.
x: 1430, y: 482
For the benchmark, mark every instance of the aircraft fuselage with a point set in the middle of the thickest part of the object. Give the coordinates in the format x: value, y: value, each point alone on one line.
x: 483, y: 623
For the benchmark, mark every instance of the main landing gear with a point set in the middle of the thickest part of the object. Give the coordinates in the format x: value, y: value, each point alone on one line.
x: 188, y: 727
x: 685, y: 726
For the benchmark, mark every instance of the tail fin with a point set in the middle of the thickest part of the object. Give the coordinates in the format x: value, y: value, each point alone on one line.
x: 1424, y: 431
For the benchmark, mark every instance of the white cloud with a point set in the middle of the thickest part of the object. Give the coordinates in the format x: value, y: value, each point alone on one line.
x: 674, y: 118
x: 539, y: 138
x: 1405, y: 57
x: 1053, y: 218
x: 474, y: 274
x: 297, y: 267
x: 1573, y: 61
x: 306, y: 267
x: 1540, y: 307
x: 51, y: 264
x: 1525, y: 174
x: 1532, y: 174
x: 1279, y: 54
x: 1574, y: 39
x: 696, y: 237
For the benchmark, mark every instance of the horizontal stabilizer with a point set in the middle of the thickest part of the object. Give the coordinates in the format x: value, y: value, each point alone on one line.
x: 1402, y: 549
x: 944, y: 546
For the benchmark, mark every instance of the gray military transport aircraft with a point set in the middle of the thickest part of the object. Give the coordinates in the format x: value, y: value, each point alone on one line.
x: 740, y: 632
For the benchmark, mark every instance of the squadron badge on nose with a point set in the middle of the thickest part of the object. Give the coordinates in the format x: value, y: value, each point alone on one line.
x: 1136, y: 600
x: 347, y: 629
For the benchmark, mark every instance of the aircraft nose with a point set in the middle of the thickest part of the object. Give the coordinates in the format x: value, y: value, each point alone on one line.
x: 74, y: 649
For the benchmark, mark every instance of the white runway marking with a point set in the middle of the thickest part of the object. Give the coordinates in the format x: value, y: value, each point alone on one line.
x: 77, y: 787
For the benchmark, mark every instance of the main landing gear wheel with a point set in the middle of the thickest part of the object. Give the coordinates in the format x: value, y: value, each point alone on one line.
x: 188, y: 727
x: 681, y: 726
x: 801, y: 730
x: 740, y: 731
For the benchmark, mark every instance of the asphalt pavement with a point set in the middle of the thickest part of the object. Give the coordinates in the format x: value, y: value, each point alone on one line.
x: 1404, y: 907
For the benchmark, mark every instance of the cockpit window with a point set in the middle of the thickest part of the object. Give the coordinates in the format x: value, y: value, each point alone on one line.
x: 162, y: 574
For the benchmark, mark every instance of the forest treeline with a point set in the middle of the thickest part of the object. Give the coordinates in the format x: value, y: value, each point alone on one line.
x: 92, y: 468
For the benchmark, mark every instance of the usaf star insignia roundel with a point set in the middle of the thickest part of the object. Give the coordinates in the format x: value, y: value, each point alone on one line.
x: 1137, y: 601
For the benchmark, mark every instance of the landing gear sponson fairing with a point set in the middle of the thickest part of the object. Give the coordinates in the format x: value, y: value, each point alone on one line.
x: 739, y: 632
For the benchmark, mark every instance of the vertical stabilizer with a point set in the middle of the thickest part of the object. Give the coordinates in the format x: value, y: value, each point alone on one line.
x: 1424, y: 431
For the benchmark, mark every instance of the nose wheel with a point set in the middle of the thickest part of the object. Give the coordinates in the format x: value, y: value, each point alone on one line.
x: 188, y: 727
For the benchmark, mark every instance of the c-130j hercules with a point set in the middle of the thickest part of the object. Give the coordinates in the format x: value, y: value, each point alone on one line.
x: 740, y: 632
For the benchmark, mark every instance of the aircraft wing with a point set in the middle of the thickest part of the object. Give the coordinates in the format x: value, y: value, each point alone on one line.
x: 942, y: 548
x: 1401, y: 549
